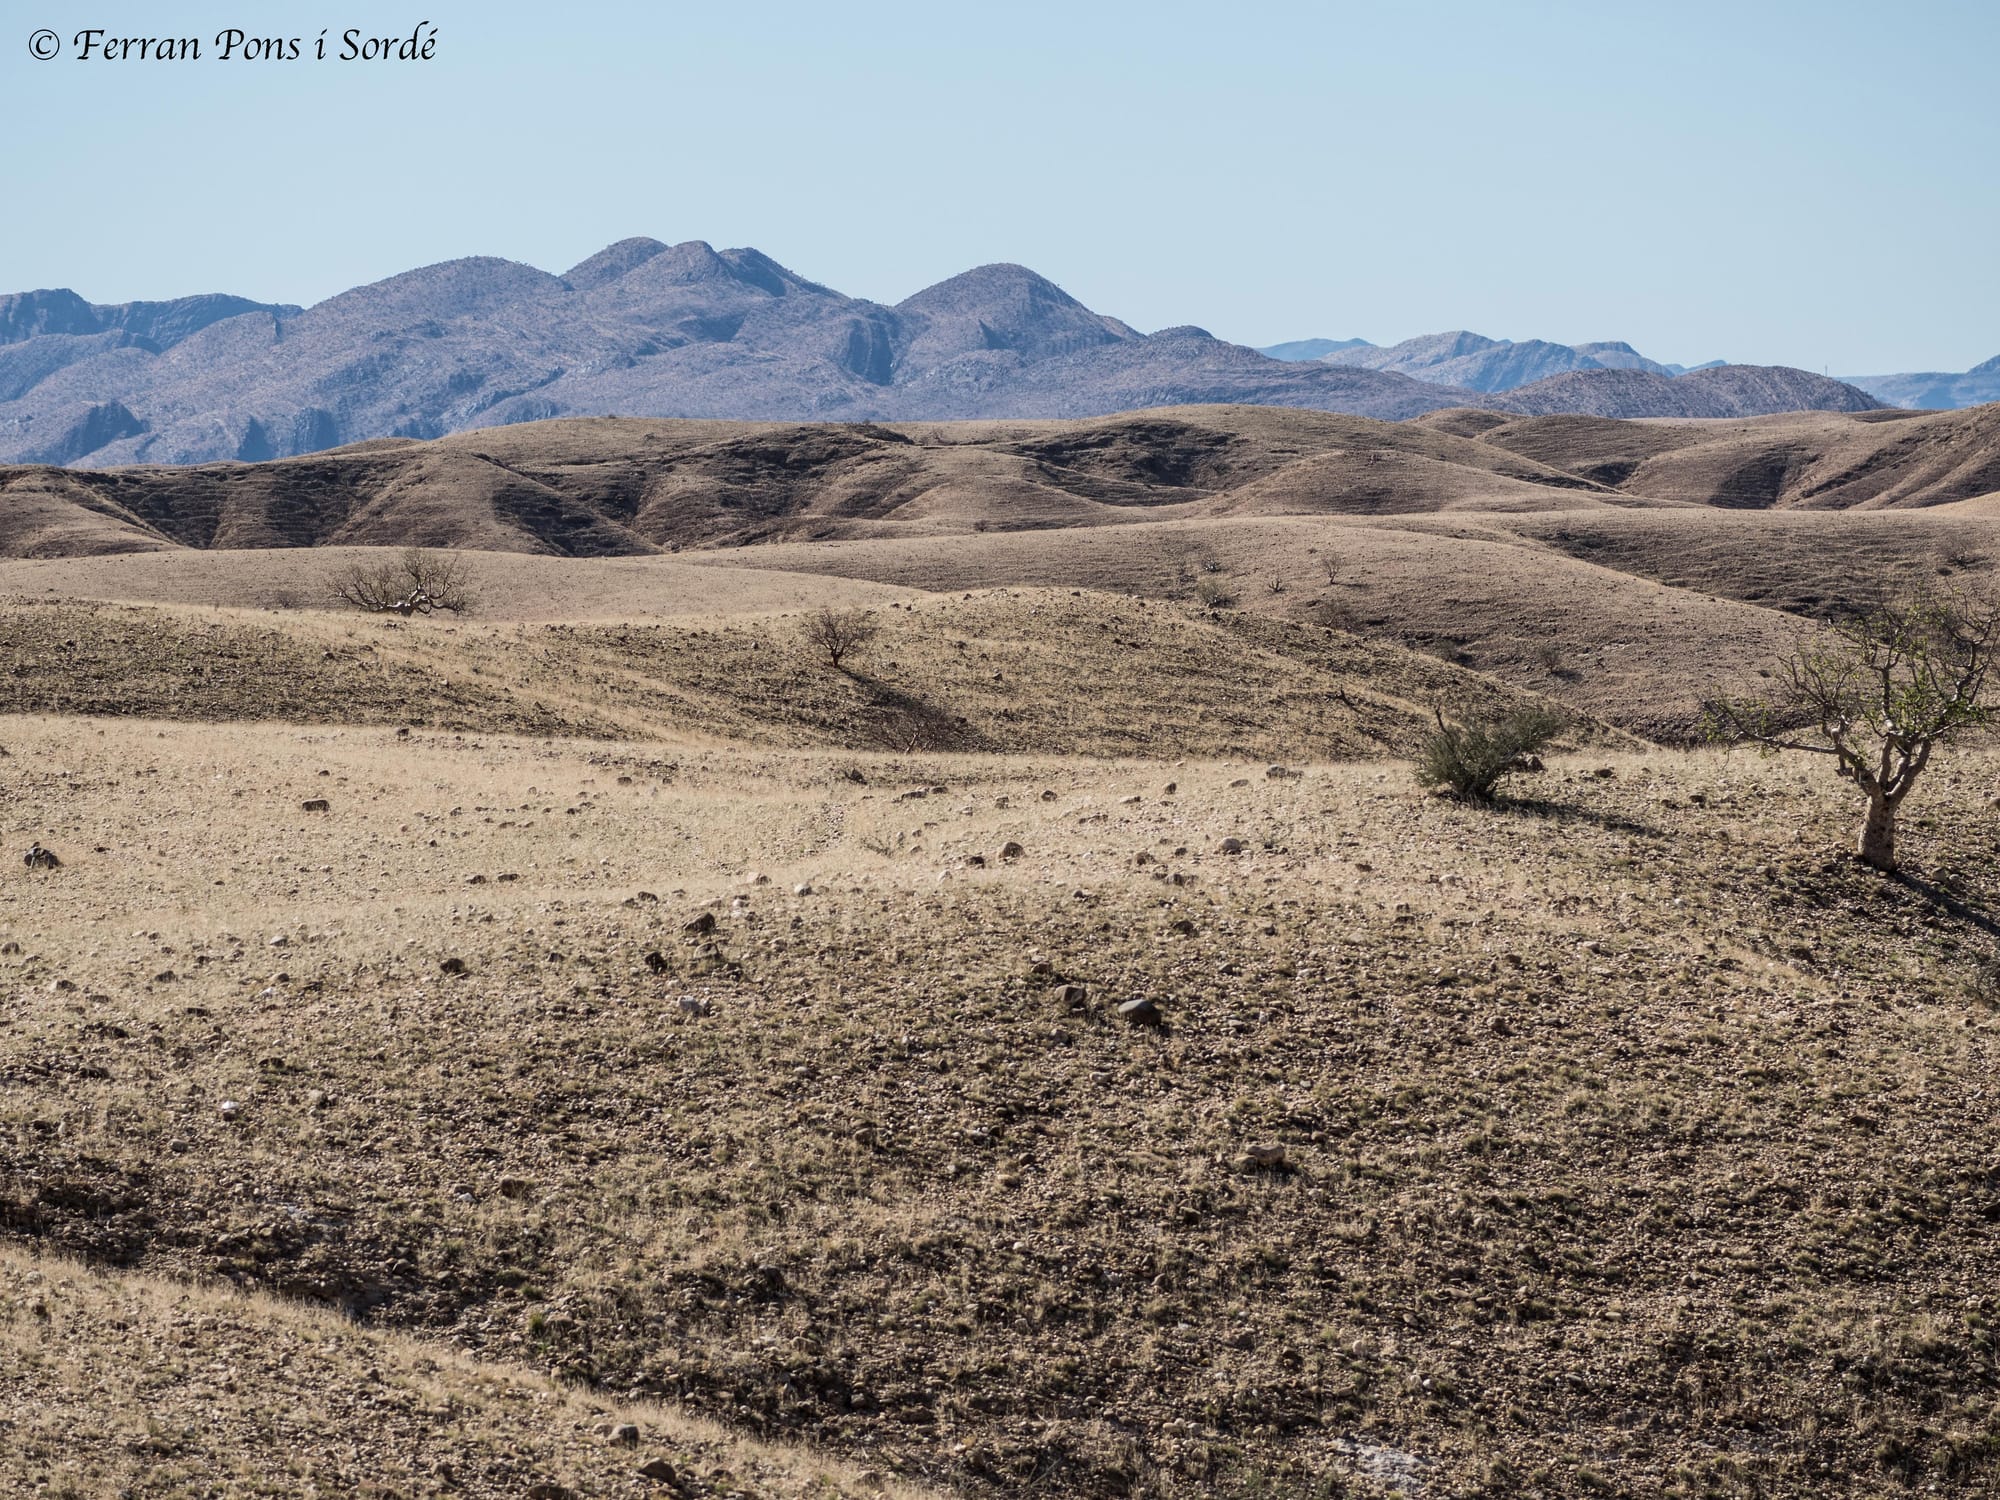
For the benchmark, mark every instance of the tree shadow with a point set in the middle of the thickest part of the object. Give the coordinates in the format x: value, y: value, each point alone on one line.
x: 898, y: 720
x: 1570, y: 812
x: 1946, y: 902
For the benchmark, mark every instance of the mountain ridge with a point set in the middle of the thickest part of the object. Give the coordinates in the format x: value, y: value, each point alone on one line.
x: 647, y: 328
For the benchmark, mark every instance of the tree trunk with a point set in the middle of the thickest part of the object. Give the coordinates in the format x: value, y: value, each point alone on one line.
x: 1878, y: 835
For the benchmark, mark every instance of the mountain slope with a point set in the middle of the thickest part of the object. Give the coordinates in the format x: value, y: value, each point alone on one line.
x: 1724, y: 391
x: 1934, y: 390
x: 673, y: 331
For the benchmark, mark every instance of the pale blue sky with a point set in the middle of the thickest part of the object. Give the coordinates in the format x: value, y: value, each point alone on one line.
x: 1761, y: 181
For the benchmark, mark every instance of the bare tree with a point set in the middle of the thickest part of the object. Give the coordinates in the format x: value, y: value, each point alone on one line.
x: 839, y: 633
x: 1876, y: 692
x: 419, y: 581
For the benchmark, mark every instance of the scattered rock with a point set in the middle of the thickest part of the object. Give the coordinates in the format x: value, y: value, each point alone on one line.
x: 1128, y: 801
x: 1230, y: 846
x: 803, y: 888
x: 229, y: 1109
x: 1011, y: 850
x: 1240, y: 781
x: 475, y: 880
x: 1072, y: 994
x: 453, y: 966
x: 38, y: 858
x: 1265, y: 1156
x: 624, y: 1434
x: 1170, y: 788
x: 701, y: 924
x: 659, y: 1471
x: 1140, y: 1012
x: 1048, y: 796
x: 315, y: 804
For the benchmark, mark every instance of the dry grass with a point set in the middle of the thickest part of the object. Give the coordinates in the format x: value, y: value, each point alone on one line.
x: 1059, y: 671
x: 1631, y: 1143
x: 115, y: 1382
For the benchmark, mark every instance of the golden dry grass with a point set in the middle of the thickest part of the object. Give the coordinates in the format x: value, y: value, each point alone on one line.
x: 119, y: 1382
x: 1632, y: 1144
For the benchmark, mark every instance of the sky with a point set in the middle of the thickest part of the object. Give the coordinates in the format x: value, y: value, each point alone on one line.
x: 1758, y: 181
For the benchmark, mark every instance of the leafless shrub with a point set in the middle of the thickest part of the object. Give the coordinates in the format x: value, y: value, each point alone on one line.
x: 418, y: 581
x: 838, y: 634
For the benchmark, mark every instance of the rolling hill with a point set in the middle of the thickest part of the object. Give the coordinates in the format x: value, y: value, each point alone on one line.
x: 601, y: 487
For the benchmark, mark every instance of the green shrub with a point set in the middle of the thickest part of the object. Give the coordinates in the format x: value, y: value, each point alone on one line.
x: 1469, y: 759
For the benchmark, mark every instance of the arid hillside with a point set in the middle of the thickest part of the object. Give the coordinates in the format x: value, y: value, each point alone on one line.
x: 623, y: 487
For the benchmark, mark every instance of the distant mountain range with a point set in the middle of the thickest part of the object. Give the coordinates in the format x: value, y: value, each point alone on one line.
x: 1471, y: 361
x: 1975, y: 387
x: 648, y: 329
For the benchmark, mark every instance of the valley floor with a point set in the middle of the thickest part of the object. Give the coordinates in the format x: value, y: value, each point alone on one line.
x: 1623, y: 1140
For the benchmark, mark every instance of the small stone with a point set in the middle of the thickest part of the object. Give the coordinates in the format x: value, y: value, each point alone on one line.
x: 315, y: 805
x: 315, y: 1099
x: 1011, y: 850
x: 475, y: 880
x: 1072, y: 994
x: 694, y: 1005
x: 516, y: 1188
x: 229, y: 1109
x: 1240, y: 781
x: 756, y: 877
x: 659, y: 1471
x: 1183, y: 927
x: 1278, y: 773
x: 1170, y: 788
x: 1140, y: 1012
x: 703, y: 923
x: 624, y: 1434
x: 657, y: 962
x: 453, y: 966
x: 1048, y: 796
x: 281, y: 941
x: 1230, y: 846
x: 1128, y: 801
x: 1267, y: 1156
x: 38, y: 858
x: 647, y: 897
x: 803, y: 888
